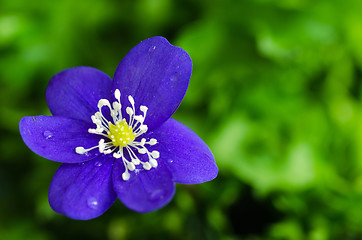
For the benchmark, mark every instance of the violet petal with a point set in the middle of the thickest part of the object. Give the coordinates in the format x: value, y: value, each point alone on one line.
x: 146, y: 190
x: 75, y: 92
x: 187, y: 156
x: 157, y: 75
x: 56, y: 138
x: 83, y: 191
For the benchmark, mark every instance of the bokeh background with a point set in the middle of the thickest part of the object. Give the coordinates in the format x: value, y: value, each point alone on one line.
x: 275, y: 93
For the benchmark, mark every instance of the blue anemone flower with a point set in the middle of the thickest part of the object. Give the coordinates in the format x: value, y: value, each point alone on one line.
x: 115, y: 138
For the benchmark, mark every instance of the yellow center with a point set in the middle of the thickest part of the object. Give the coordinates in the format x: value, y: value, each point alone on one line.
x: 121, y: 134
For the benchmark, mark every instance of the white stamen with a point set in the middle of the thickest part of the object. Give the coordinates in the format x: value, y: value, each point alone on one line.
x: 80, y: 150
x: 122, y: 135
x: 129, y: 111
x: 116, y: 106
x: 153, y: 163
x: 143, y: 128
x: 155, y: 154
x: 130, y: 99
x: 101, y: 145
x: 144, y: 109
x: 125, y: 175
x: 131, y: 166
x: 147, y: 166
x: 108, y: 151
x: 142, y: 150
x: 117, y: 95
x: 139, y: 118
x: 103, y: 102
x: 152, y: 141
x: 136, y: 161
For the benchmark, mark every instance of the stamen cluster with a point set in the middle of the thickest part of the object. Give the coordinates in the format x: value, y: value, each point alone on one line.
x: 122, y: 135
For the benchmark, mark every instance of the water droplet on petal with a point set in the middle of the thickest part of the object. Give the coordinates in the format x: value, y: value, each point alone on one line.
x: 98, y: 164
x: 92, y: 203
x: 156, y: 195
x: 47, y: 134
x: 170, y: 161
x: 151, y: 49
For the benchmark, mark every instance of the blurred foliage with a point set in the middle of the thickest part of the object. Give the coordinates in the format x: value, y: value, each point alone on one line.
x: 275, y: 92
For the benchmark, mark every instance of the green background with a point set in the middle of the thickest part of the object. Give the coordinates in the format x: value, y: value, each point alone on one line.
x: 275, y: 92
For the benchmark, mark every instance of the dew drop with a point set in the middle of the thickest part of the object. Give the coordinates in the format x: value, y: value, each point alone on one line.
x: 156, y: 195
x: 170, y: 161
x: 92, y: 203
x: 151, y: 49
x: 98, y: 164
x: 47, y: 134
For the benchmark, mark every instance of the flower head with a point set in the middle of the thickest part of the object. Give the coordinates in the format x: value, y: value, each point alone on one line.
x: 115, y: 138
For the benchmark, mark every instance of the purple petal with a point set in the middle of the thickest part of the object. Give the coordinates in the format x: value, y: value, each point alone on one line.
x: 187, y: 156
x: 146, y: 190
x: 83, y: 191
x: 75, y: 92
x: 156, y: 74
x: 56, y: 138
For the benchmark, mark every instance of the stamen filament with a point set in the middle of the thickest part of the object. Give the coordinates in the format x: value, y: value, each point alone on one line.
x: 122, y: 135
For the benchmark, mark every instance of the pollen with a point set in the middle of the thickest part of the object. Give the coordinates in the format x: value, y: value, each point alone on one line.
x: 121, y: 134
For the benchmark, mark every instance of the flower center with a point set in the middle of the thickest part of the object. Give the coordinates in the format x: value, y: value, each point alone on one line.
x: 121, y: 136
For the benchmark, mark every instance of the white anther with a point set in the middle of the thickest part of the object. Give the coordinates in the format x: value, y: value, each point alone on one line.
x: 143, y: 108
x: 116, y: 106
x: 98, y: 115
x: 155, y: 154
x: 117, y: 155
x: 108, y: 151
x: 129, y: 111
x: 142, y: 150
x: 94, y: 119
x: 139, y: 118
x: 130, y: 99
x: 147, y: 166
x: 136, y: 161
x: 80, y: 150
x: 117, y: 94
x: 103, y: 102
x: 101, y: 145
x: 143, y: 128
x: 131, y: 166
x: 153, y: 163
x: 143, y: 141
x: 92, y: 130
x: 125, y: 176
x: 97, y: 121
x: 152, y: 141
x: 99, y: 129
